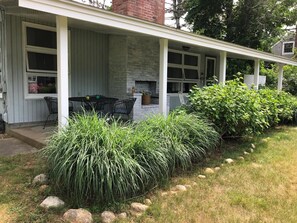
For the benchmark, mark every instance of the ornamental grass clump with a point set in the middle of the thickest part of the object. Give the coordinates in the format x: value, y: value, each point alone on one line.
x: 183, y: 137
x: 93, y: 160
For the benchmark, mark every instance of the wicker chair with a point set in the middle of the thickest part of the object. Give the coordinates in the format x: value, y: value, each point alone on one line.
x: 123, y: 108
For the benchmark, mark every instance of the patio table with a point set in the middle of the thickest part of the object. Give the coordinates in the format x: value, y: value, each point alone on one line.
x: 99, y: 103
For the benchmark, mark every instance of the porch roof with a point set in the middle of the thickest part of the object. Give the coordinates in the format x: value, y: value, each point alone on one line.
x: 101, y: 17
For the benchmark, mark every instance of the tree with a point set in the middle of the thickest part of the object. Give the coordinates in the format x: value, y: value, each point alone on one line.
x: 251, y: 23
x: 177, y: 9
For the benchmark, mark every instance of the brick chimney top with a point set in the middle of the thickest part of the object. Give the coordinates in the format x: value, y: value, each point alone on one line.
x: 150, y: 10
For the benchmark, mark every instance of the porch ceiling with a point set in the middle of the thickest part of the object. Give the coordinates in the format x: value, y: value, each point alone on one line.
x: 108, y: 22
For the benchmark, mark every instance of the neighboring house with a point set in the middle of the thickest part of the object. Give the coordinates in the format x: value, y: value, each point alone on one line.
x: 285, y: 47
x: 64, y: 48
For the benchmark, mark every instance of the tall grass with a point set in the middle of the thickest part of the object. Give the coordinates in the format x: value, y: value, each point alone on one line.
x: 92, y: 160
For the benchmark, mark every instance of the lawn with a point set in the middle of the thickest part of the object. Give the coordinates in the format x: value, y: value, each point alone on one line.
x: 262, y: 188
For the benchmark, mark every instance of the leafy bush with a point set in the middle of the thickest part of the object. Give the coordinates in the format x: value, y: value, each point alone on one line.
x: 235, y: 110
x: 92, y: 160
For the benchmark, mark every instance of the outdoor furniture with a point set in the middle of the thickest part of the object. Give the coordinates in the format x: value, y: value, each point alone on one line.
x: 98, y: 103
x: 52, y: 105
x: 123, y: 108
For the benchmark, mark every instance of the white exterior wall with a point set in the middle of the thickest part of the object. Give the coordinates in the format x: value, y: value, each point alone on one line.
x: 88, y: 69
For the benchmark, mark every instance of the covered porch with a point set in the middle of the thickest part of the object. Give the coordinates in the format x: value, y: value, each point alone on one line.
x: 99, y: 52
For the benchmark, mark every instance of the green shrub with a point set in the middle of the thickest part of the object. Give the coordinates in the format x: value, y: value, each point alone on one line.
x: 94, y: 161
x: 234, y: 109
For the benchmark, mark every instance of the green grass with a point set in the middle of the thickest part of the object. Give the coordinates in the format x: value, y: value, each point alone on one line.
x: 263, y: 188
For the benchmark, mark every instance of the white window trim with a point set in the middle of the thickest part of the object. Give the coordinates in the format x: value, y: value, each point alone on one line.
x: 32, y: 72
x: 183, y: 80
x: 215, y: 67
x: 283, y: 48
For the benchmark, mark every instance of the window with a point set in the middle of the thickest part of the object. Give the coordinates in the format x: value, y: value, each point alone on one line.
x: 288, y: 48
x: 40, y: 60
x: 210, y: 70
x: 183, y: 71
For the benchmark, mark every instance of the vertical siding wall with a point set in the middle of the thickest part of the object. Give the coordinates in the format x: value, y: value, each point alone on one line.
x: 89, y: 68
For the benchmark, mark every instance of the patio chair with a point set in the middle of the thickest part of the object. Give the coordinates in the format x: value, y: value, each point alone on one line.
x: 52, y: 105
x: 123, y: 108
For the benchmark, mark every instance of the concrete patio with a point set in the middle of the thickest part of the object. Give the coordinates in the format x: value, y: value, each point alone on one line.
x: 35, y: 136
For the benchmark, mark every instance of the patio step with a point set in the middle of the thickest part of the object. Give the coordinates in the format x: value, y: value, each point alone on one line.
x: 35, y: 136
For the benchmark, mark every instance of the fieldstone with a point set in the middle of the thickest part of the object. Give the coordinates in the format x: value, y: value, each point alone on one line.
x: 188, y: 186
x: 122, y: 215
x: 252, y: 150
x: 148, y: 202
x: 241, y: 158
x: 164, y: 194
x: 138, y: 207
x: 108, y: 217
x: 43, y: 188
x: 201, y: 176
x: 256, y: 165
x: 209, y: 171
x: 229, y: 160
x: 78, y: 216
x: 253, y: 146
x: 194, y: 184
x: 246, y: 153
x: 40, y: 179
x: 173, y: 192
x: 180, y: 188
x: 222, y: 164
x: 217, y: 168
x: 52, y: 202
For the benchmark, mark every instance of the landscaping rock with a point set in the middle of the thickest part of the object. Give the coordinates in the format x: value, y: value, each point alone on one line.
x: 252, y: 150
x: 253, y: 146
x: 209, y: 171
x: 40, y: 179
x: 180, y: 188
x: 256, y: 165
x: 138, y: 207
x: 52, y: 202
x: 173, y: 192
x: 43, y: 188
x: 108, y: 217
x: 148, y: 202
x: 201, y: 176
x: 164, y: 194
x: 122, y: 215
x: 229, y: 160
x: 217, y: 168
x: 246, y: 153
x: 78, y: 216
x: 240, y: 158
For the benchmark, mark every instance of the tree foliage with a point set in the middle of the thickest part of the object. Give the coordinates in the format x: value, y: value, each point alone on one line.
x: 251, y: 23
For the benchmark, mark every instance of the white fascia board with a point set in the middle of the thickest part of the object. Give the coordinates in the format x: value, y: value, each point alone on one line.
x: 98, y: 16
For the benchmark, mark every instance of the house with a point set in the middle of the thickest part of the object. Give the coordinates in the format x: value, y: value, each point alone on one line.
x: 64, y: 48
x: 286, y: 46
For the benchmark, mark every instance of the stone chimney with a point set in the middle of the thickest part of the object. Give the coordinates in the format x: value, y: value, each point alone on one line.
x: 150, y: 10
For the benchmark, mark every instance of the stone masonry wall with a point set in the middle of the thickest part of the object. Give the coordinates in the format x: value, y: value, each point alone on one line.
x: 143, y: 61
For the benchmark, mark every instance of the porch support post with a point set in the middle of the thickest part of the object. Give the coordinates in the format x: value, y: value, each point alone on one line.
x: 280, y: 77
x: 256, y: 74
x: 223, y: 64
x: 62, y: 56
x: 163, y: 76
